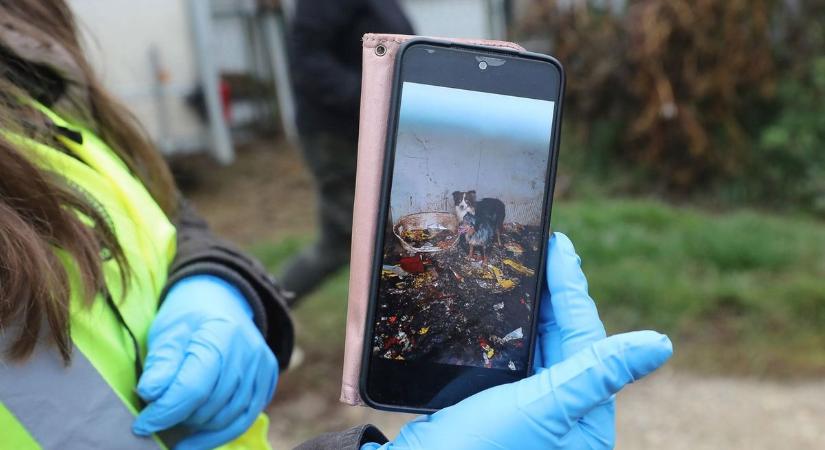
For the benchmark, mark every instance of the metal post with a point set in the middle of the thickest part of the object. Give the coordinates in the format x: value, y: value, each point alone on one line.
x: 273, y: 30
x: 201, y: 15
x: 160, y: 78
x: 497, y: 13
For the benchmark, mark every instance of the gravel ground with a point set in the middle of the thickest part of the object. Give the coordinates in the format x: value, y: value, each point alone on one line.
x: 669, y: 410
x: 680, y: 411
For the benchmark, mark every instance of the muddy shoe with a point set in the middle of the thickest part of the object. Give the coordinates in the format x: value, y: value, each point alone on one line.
x: 297, y: 358
x: 310, y: 269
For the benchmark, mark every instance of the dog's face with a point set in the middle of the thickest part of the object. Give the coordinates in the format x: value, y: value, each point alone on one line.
x: 468, y: 224
x: 464, y: 201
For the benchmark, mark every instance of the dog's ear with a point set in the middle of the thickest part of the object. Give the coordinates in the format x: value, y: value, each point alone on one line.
x: 457, y: 197
x: 471, y: 195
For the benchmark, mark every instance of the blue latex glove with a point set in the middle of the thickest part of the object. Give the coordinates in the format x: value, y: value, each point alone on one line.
x: 568, y: 403
x: 208, y: 367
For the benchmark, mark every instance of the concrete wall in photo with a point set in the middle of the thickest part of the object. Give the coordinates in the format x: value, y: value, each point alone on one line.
x: 430, y: 166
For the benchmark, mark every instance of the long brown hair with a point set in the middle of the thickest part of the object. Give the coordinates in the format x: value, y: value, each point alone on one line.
x: 39, y: 210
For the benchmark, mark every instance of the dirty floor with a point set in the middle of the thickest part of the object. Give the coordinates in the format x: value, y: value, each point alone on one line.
x: 450, y: 308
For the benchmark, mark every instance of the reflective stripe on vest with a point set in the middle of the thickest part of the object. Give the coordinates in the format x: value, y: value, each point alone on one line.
x: 58, y: 405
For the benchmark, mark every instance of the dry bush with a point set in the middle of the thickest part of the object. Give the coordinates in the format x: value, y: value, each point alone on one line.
x: 679, y: 78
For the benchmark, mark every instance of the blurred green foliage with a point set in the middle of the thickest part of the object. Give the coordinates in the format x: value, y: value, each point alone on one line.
x: 791, y: 149
x: 739, y: 292
x: 694, y: 98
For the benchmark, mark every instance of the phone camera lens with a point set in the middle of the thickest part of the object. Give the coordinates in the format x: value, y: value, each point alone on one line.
x: 482, y: 65
x: 380, y: 50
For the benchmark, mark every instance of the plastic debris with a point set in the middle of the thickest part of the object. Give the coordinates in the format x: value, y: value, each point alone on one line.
x: 518, y: 267
x: 412, y: 264
x: 424, y: 279
x: 513, y: 335
x: 423, y: 330
x: 393, y: 271
x: 511, y: 365
x: 506, y: 284
x: 501, y: 281
x: 514, y: 248
x: 458, y: 277
x: 404, y: 341
x: 487, y: 353
x: 498, y: 306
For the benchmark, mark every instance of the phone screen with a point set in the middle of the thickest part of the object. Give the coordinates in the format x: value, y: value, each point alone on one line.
x: 464, y: 234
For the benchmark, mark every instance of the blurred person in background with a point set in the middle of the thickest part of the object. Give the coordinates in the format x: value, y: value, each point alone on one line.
x: 325, y: 59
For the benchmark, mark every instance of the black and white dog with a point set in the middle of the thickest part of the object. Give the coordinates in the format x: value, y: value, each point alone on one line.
x: 480, y: 220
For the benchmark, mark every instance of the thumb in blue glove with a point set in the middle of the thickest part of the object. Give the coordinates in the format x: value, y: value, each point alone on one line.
x: 568, y: 403
x: 208, y: 367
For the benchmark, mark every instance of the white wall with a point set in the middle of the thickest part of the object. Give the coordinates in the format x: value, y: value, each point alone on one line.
x: 453, y: 18
x: 429, y: 167
x: 118, y: 36
x: 120, y: 33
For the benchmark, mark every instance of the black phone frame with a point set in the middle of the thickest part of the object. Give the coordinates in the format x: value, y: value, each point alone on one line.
x: 386, y: 186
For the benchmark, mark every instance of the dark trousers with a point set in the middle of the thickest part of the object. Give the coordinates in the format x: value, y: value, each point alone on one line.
x: 331, y: 159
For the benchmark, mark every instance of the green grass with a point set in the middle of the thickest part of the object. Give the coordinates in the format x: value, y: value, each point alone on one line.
x: 739, y: 292
x: 320, y: 319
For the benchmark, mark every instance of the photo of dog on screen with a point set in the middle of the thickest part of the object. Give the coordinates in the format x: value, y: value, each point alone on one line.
x: 463, y: 237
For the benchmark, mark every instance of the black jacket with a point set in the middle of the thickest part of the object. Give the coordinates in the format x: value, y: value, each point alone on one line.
x: 325, y: 58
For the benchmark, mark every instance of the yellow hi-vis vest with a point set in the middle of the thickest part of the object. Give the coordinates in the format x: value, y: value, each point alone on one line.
x: 92, y: 402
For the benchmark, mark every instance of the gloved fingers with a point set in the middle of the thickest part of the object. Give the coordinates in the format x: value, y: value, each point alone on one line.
x: 591, y: 427
x: 265, y: 381
x: 228, y: 383
x: 163, y: 360
x: 238, y: 404
x: 372, y: 446
x: 269, y: 375
x: 215, y: 438
x: 191, y: 388
x: 558, y: 397
x: 572, y: 308
x: 548, y: 344
x: 548, y: 349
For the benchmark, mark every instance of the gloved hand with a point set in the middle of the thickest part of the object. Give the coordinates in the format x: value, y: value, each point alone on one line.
x: 208, y: 367
x: 568, y: 403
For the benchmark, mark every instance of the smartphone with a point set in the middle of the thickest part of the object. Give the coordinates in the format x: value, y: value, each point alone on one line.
x: 463, y: 226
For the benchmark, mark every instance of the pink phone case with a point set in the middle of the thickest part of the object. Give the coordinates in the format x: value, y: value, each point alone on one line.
x: 379, y: 52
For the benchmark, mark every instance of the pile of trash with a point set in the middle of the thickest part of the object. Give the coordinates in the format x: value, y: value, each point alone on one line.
x: 440, y: 238
x: 446, y: 308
